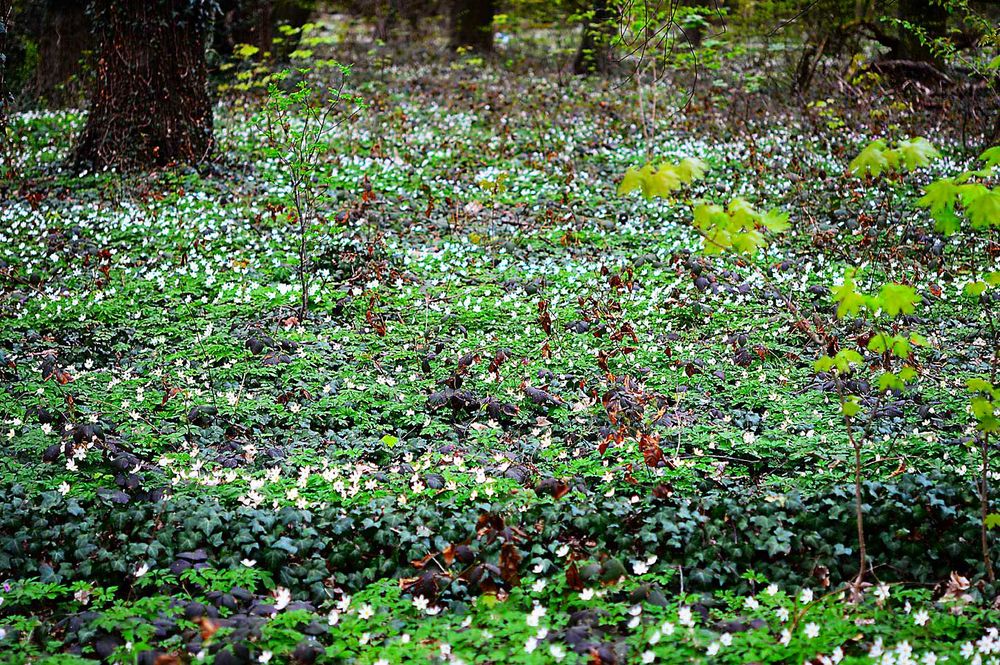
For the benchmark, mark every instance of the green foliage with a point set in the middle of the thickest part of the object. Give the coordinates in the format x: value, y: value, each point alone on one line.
x: 945, y: 197
x: 294, y: 124
x: 984, y: 405
x: 739, y: 227
x: 842, y: 362
x: 354, y: 455
x: 716, y: 535
x: 877, y: 158
x: 979, y: 287
x: 916, y: 152
x: 874, y: 159
x: 966, y: 18
x: 662, y: 179
x: 991, y: 156
x: 892, y: 299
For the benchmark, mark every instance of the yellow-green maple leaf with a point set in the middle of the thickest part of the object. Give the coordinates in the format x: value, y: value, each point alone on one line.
x: 873, y: 159
x: 916, y: 152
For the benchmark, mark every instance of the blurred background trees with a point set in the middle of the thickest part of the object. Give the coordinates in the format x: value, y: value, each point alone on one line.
x: 169, y: 53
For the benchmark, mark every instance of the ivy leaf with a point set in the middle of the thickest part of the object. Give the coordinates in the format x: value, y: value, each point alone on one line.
x: 916, y: 152
x: 871, y: 160
x: 896, y: 299
x: 992, y: 520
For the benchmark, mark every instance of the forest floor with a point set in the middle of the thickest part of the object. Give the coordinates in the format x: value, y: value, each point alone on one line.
x: 525, y: 419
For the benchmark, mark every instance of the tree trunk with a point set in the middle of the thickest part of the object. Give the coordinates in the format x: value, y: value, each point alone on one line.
x: 6, y: 168
x: 472, y: 24
x: 64, y: 38
x: 150, y: 105
x: 6, y: 12
x: 594, y: 52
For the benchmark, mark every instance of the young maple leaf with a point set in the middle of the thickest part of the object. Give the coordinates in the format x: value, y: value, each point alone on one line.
x: 991, y: 156
x: 631, y: 182
x: 660, y: 181
x: 748, y: 242
x: 848, y: 299
x: 742, y: 213
x: 916, y: 152
x: 707, y: 215
x: 984, y: 209
x: 874, y: 159
x: 939, y: 195
x: 691, y: 169
x: 898, y: 299
x: 775, y: 221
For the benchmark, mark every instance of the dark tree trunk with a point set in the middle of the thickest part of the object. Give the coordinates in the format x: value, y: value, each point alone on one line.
x: 932, y: 17
x: 64, y: 38
x: 150, y: 105
x: 472, y: 24
x: 6, y: 12
x: 594, y: 54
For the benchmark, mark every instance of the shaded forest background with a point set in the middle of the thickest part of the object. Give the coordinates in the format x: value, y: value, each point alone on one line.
x: 75, y: 53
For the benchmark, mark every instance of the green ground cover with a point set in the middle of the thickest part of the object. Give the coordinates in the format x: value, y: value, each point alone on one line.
x: 452, y: 456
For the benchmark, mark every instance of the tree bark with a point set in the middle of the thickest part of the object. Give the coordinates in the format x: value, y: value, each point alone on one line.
x: 594, y: 52
x: 6, y: 170
x: 6, y: 12
x: 64, y: 37
x: 150, y: 105
x: 472, y: 24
